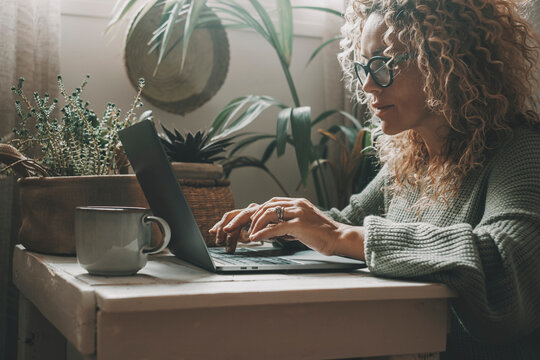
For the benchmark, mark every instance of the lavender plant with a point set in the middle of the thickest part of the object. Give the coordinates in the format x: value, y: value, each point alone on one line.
x: 80, y: 143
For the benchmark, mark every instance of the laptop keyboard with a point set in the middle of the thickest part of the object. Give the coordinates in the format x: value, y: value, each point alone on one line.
x: 248, y: 257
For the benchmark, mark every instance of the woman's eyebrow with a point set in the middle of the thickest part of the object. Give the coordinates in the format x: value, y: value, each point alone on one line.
x: 377, y: 52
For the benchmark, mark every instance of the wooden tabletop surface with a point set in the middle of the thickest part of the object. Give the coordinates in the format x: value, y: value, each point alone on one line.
x: 69, y: 297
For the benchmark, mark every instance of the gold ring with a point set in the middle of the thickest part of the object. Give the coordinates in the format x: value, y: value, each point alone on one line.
x: 280, y: 212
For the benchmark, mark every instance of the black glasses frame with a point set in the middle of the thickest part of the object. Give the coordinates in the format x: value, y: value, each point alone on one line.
x: 368, y: 71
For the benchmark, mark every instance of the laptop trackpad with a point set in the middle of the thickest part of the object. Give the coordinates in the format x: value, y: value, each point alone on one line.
x: 307, y: 256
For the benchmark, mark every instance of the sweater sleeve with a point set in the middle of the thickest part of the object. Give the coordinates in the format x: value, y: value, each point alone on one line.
x: 494, y: 267
x: 368, y: 202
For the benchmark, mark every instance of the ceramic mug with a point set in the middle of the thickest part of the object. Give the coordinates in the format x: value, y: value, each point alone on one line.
x: 114, y: 240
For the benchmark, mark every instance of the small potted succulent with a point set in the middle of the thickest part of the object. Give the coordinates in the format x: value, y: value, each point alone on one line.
x: 194, y: 155
x: 194, y: 158
x: 67, y: 162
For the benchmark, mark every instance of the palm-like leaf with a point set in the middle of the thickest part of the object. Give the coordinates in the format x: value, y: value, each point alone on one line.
x: 285, y: 28
x: 301, y: 133
x: 195, y: 10
x: 235, y: 116
x: 322, y: 46
x: 248, y: 161
x: 248, y: 141
x: 172, y: 14
x: 120, y: 9
x: 345, y: 114
x: 282, y: 130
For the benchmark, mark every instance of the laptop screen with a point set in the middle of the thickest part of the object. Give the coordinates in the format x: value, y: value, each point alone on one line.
x: 163, y: 192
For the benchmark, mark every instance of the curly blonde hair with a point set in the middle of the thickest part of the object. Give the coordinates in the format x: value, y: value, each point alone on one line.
x: 479, y: 59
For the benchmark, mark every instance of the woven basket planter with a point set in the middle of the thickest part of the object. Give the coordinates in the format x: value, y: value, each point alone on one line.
x: 208, y: 200
x: 208, y: 195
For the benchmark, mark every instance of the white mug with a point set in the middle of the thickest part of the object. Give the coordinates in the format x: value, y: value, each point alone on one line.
x: 114, y: 240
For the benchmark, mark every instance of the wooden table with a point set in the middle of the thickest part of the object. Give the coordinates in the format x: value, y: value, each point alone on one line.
x: 173, y: 310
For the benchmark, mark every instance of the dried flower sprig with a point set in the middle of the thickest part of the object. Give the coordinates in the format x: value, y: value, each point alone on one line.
x: 78, y: 144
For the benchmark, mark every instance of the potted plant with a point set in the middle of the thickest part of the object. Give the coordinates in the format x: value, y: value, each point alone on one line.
x: 194, y: 158
x: 76, y: 162
x: 194, y: 155
x: 295, y: 123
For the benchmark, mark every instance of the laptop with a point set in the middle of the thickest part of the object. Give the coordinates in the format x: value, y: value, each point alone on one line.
x: 166, y: 199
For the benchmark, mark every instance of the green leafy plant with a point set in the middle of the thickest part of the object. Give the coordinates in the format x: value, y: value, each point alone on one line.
x: 295, y: 123
x: 355, y: 153
x: 198, y: 147
x: 80, y: 143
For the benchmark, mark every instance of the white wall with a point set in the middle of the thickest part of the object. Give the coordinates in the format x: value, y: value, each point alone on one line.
x: 254, y: 69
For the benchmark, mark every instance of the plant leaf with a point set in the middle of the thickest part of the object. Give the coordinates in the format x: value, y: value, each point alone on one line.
x: 248, y: 141
x: 282, y: 129
x: 322, y: 46
x: 243, y: 16
x: 318, y: 8
x: 333, y: 167
x: 301, y: 133
x: 273, y: 36
x: 330, y: 135
x: 268, y: 151
x: 195, y: 9
x: 119, y: 11
x: 146, y: 8
x: 232, y: 107
x: 248, y: 161
x: 286, y: 31
x: 329, y: 113
x: 228, y: 123
x: 252, y: 113
x: 350, y: 134
x: 168, y: 30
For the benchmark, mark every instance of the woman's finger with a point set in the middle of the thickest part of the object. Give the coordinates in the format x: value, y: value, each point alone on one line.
x: 274, y: 230
x: 231, y: 241
x: 266, y: 209
x: 224, y: 220
x: 276, y: 201
x: 240, y: 219
x: 220, y: 236
x: 272, y: 217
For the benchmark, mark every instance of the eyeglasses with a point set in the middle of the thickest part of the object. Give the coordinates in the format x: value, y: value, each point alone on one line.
x: 380, y: 68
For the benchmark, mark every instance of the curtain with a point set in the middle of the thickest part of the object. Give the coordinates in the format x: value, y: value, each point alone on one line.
x: 29, y: 46
x: 535, y: 19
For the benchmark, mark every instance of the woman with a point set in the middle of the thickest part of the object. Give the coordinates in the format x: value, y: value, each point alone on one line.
x: 458, y: 198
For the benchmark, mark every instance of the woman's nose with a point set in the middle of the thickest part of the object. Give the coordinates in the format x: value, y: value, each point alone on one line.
x: 370, y: 86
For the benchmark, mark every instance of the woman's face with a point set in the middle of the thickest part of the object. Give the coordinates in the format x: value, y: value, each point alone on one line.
x: 402, y: 105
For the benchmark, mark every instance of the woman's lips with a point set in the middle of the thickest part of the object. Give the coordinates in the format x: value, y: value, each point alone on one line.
x: 381, y: 110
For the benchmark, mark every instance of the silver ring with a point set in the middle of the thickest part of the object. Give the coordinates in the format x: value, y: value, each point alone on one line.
x: 280, y: 212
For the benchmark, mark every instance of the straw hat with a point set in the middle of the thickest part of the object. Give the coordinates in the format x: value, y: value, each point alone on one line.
x: 176, y: 91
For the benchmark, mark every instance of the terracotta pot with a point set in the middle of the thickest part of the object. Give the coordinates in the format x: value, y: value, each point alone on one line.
x: 48, y: 206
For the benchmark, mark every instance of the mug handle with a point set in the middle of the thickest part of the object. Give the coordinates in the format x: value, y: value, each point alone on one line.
x: 165, y: 230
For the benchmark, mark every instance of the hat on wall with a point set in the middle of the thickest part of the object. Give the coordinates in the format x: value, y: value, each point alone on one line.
x: 171, y: 88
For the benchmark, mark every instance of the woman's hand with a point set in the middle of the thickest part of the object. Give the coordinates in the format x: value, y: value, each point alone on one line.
x: 229, y: 230
x: 300, y: 219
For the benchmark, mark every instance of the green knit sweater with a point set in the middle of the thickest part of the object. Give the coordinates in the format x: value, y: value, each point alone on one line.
x: 485, y: 244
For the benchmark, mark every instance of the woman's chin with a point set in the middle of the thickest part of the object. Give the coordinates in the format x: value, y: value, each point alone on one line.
x: 388, y: 129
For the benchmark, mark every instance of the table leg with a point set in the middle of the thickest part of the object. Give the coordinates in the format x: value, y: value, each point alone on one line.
x: 38, y: 338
